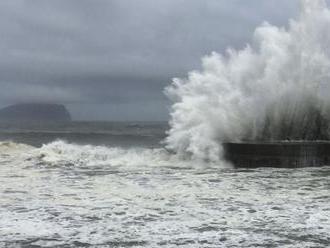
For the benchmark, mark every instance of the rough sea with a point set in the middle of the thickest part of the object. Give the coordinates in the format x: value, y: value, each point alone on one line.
x: 114, y: 185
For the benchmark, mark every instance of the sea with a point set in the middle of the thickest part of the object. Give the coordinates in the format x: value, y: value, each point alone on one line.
x: 114, y: 184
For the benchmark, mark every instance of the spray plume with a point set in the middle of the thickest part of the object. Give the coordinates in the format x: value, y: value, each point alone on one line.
x: 277, y: 88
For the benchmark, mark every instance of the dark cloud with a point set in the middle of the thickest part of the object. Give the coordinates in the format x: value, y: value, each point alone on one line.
x: 110, y: 59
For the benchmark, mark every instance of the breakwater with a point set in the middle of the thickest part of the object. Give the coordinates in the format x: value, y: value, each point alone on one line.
x: 278, y: 154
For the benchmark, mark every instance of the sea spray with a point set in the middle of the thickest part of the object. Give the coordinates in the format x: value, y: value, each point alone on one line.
x: 61, y: 153
x: 276, y: 88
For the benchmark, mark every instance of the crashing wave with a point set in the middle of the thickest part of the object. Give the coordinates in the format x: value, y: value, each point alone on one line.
x: 61, y: 153
x: 9, y: 147
x: 277, y: 88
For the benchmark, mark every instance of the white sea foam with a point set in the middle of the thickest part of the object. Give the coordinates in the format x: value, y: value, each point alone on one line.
x: 276, y: 88
x: 44, y: 203
x: 63, y: 153
x: 11, y: 148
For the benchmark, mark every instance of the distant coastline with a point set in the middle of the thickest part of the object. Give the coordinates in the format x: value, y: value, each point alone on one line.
x: 35, y: 112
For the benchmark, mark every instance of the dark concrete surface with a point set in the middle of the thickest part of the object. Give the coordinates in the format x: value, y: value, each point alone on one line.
x: 278, y: 154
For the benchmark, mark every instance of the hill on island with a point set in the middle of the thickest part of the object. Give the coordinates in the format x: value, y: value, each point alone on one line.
x: 35, y: 112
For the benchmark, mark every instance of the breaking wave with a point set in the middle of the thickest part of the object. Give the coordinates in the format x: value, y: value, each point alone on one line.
x: 9, y: 147
x: 61, y: 153
x: 276, y: 88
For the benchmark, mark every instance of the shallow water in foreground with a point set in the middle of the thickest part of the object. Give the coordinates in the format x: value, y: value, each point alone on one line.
x: 73, y: 195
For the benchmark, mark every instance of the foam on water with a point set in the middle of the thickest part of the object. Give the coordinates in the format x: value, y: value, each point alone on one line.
x: 61, y: 153
x: 9, y: 147
x: 276, y: 88
x: 66, y: 194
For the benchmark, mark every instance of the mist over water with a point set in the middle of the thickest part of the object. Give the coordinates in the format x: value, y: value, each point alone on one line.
x: 276, y: 88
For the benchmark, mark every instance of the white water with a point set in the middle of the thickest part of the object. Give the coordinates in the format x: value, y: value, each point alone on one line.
x: 275, y: 88
x: 61, y: 153
x: 71, y: 195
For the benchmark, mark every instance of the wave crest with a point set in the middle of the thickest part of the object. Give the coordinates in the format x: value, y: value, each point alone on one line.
x: 274, y: 89
x: 61, y: 153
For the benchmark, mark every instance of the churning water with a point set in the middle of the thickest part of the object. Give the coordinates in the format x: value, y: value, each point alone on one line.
x: 65, y: 194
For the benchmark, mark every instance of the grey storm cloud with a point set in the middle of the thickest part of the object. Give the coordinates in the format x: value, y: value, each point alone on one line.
x: 112, y: 58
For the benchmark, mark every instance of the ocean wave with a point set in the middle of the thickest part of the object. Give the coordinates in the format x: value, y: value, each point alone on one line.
x: 276, y: 88
x: 59, y: 153
x: 10, y: 147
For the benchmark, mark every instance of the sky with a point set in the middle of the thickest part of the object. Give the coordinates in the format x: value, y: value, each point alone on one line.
x: 111, y: 59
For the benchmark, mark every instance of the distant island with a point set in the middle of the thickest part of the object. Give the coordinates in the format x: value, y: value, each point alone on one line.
x: 35, y: 112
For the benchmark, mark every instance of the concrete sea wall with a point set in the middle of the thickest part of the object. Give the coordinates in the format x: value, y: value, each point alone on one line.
x: 279, y: 154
